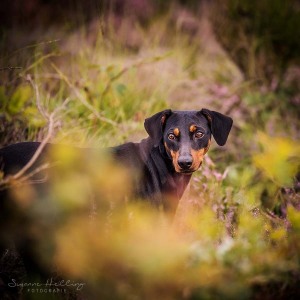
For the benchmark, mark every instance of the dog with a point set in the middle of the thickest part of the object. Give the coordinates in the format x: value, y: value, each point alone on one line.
x: 160, y: 167
x: 162, y: 163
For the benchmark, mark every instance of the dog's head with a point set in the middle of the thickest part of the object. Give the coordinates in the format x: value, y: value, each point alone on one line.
x: 186, y: 135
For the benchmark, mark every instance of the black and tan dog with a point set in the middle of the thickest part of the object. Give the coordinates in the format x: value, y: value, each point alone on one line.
x: 163, y: 163
x: 160, y: 167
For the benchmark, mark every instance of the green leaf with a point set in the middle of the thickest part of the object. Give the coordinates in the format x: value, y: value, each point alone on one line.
x: 19, y: 98
x: 34, y: 117
x: 279, y: 159
x: 121, y: 89
x: 294, y: 217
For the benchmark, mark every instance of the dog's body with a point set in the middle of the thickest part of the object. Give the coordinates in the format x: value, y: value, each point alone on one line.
x: 156, y: 180
x: 161, y: 165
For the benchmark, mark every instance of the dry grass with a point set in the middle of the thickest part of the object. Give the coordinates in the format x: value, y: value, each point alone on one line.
x: 223, y: 241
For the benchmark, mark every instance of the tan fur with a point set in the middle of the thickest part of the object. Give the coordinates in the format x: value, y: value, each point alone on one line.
x: 193, y: 128
x: 174, y: 155
x: 176, y: 132
x: 197, y: 155
x: 207, y: 147
x: 197, y: 158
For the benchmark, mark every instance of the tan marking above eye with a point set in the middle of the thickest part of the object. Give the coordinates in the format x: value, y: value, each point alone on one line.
x: 193, y: 128
x: 176, y: 131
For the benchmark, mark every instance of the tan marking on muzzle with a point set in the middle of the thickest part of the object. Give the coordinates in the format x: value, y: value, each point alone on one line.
x: 193, y: 128
x: 207, y: 147
x: 174, y: 155
x: 198, y: 156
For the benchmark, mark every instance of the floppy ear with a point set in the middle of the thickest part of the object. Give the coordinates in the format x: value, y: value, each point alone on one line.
x: 220, y: 125
x: 154, y: 125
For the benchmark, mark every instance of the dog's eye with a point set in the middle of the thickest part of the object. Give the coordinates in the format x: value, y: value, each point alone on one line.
x: 199, y: 135
x: 171, y: 136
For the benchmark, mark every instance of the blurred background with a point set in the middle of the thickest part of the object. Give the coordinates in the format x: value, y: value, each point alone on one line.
x: 104, y: 66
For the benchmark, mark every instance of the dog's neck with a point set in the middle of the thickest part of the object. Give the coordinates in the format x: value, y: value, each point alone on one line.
x: 170, y: 183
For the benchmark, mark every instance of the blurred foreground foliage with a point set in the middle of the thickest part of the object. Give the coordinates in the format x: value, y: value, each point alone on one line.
x: 236, y: 234
x: 223, y: 243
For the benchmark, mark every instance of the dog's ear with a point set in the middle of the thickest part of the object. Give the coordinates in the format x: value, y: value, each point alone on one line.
x: 155, y: 124
x: 220, y: 125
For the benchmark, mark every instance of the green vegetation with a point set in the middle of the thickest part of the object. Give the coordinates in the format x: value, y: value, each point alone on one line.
x: 236, y: 234
x: 260, y: 36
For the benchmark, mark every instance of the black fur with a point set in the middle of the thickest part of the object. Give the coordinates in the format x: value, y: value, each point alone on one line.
x: 220, y: 125
x: 156, y: 175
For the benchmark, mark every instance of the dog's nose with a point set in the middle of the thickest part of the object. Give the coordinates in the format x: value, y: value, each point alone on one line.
x: 185, y: 162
